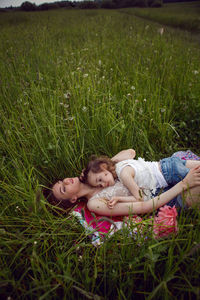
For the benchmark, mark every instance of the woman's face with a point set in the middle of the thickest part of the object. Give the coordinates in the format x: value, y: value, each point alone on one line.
x: 67, y: 188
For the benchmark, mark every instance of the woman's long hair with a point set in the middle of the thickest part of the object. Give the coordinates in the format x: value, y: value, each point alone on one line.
x: 58, y: 206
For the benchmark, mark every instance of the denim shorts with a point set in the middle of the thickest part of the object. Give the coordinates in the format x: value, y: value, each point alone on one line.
x: 173, y: 170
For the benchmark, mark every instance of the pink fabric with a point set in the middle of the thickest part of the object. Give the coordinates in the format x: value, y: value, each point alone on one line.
x: 97, y: 222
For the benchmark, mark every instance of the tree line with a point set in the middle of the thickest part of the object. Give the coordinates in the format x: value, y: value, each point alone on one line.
x: 108, y: 4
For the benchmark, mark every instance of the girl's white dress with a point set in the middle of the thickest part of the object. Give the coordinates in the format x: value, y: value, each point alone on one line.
x: 148, y: 176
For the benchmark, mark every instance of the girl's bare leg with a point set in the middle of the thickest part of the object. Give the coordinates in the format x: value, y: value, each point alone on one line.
x: 192, y: 163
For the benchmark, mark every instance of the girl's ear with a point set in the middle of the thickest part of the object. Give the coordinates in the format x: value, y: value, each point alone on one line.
x: 104, y: 166
x: 73, y: 200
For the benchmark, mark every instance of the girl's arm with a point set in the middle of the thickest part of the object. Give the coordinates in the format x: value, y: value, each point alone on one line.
x: 122, y: 209
x: 114, y: 200
x: 127, y: 177
x: 123, y: 155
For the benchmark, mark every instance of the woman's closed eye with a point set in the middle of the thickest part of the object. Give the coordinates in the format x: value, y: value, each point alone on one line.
x: 62, y: 189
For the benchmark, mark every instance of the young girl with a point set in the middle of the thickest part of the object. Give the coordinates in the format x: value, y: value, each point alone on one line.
x: 143, y: 179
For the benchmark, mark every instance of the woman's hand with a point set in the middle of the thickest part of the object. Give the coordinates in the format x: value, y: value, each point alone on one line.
x: 192, y: 178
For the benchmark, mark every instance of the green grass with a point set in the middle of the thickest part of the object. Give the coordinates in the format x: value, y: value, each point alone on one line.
x: 183, y: 15
x: 74, y: 83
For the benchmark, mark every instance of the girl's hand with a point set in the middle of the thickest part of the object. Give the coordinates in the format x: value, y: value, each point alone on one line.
x: 113, y: 202
x: 192, y: 178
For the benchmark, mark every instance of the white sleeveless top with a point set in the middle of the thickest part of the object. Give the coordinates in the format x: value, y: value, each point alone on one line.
x: 147, y: 175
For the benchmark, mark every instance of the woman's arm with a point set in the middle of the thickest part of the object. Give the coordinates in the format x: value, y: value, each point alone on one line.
x: 122, y: 209
x: 123, y: 155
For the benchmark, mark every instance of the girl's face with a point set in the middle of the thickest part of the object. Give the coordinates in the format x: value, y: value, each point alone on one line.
x: 67, y: 188
x: 101, y: 179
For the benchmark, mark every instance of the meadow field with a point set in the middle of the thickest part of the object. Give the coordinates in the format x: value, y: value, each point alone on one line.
x: 80, y: 82
x: 184, y: 15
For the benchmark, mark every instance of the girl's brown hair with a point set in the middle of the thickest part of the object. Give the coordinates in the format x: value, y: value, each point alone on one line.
x: 95, y: 165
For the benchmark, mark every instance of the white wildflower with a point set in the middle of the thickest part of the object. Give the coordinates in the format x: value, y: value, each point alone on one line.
x: 195, y: 72
x: 99, y: 62
x: 161, y: 30
x: 85, y: 75
x: 67, y: 95
x: 133, y: 88
x: 84, y: 108
x: 162, y: 110
x: 35, y: 242
x: 145, y: 100
x: 128, y: 95
x: 80, y: 258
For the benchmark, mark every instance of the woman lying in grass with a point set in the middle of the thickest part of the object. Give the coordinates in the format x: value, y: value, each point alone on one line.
x: 65, y: 194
